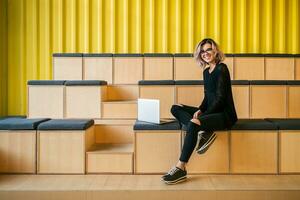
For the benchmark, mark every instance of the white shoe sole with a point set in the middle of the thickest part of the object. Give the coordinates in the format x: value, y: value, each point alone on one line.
x: 204, y: 148
x: 182, y: 179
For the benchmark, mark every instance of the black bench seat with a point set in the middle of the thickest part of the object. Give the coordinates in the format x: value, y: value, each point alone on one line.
x: 66, y: 124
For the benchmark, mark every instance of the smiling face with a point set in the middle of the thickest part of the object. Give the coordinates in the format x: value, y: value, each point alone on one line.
x: 207, y: 53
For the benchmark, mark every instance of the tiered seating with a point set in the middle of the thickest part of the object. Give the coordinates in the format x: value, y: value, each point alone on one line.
x: 80, y: 90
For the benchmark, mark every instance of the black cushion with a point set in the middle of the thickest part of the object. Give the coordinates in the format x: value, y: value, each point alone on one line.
x: 183, y: 55
x: 240, y: 82
x: 189, y: 82
x: 66, y: 124
x: 97, y: 55
x: 286, y: 124
x: 46, y: 82
x: 158, y: 82
x: 139, y: 125
x: 248, y: 55
x: 158, y: 55
x: 297, y: 82
x: 253, y: 124
x: 67, y: 55
x: 278, y: 55
x: 268, y: 82
x: 128, y: 55
x: 85, y: 82
x: 17, y: 123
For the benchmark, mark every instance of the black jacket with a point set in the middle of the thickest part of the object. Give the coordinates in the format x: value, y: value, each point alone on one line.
x: 218, y: 94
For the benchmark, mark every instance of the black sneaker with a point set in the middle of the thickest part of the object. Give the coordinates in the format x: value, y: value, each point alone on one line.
x: 175, y: 175
x: 206, y: 139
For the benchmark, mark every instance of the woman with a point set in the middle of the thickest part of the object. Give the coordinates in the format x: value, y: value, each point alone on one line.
x: 216, y: 112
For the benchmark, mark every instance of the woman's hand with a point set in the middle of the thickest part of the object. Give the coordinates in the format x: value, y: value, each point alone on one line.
x: 196, y: 114
x: 196, y: 121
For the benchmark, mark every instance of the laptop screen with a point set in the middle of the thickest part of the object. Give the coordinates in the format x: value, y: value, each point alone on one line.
x: 148, y: 110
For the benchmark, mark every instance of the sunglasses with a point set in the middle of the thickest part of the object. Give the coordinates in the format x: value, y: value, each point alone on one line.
x: 206, y: 51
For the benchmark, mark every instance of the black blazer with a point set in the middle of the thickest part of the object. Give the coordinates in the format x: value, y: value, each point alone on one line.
x: 218, y: 94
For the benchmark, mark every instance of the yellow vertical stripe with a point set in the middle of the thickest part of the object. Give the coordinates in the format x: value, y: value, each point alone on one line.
x: 16, y: 58
x: 70, y: 25
x: 44, y: 40
x: 83, y: 26
x: 204, y: 19
x: 57, y: 26
x: 138, y: 29
x: 295, y: 30
x: 164, y: 26
x: 191, y: 26
x: 3, y: 58
x: 217, y: 11
x: 151, y: 26
x: 96, y: 26
x: 178, y: 26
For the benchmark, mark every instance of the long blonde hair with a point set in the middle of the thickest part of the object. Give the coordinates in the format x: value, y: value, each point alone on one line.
x: 197, y: 54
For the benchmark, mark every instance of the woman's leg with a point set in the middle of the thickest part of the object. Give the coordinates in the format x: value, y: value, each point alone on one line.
x: 211, y: 122
x: 183, y: 113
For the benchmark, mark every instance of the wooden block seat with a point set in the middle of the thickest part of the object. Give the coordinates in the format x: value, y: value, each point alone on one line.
x: 46, y: 98
x: 253, y: 147
x: 62, y: 145
x: 158, y: 66
x: 289, y: 140
x: 162, y: 90
x: 110, y: 158
x: 83, y: 98
x: 268, y: 99
x: 18, y: 144
x: 98, y: 66
x: 67, y: 66
x: 157, y: 147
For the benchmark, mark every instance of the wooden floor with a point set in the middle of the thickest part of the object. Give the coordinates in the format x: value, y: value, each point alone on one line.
x: 92, y: 187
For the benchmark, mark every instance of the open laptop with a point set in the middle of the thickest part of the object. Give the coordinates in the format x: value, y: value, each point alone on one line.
x: 149, y: 111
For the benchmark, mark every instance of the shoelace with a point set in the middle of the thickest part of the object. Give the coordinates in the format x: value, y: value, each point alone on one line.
x: 173, y: 170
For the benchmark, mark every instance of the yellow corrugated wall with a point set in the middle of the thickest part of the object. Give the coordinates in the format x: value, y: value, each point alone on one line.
x: 3, y: 57
x: 37, y: 28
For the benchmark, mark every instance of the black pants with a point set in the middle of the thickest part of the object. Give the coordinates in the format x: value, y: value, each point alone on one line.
x: 211, y: 122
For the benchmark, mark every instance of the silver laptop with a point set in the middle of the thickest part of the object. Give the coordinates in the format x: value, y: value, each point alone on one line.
x: 149, y: 111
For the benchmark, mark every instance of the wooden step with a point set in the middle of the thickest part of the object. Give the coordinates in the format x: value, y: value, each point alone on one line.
x: 119, y: 110
x: 122, y: 92
x: 114, y: 133
x: 133, y: 187
x: 110, y: 158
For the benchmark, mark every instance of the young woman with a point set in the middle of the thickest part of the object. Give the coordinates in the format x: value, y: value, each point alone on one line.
x: 216, y: 112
